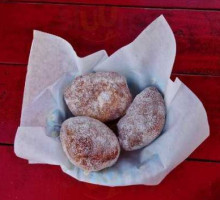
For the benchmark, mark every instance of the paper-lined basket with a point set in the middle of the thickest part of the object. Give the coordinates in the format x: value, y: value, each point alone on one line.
x: 148, y: 60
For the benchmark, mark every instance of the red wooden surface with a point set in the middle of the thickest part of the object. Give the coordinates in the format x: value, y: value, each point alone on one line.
x: 11, y: 99
x: 12, y: 80
x: 90, y: 28
x: 196, y: 4
x: 190, y: 180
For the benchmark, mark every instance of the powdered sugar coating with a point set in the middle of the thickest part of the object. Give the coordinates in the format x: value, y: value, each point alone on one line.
x: 89, y: 144
x: 144, y: 120
x: 101, y: 95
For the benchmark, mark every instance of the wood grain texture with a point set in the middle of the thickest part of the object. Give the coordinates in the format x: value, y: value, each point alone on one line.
x: 12, y: 80
x: 204, y: 87
x: 95, y: 27
x: 190, y: 180
x: 195, y: 4
x: 91, y: 28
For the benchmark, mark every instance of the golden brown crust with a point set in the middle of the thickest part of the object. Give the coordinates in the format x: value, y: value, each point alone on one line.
x: 89, y: 144
x: 144, y: 120
x: 103, y: 95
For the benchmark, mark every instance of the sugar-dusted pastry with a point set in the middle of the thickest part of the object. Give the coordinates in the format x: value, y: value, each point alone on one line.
x: 102, y: 95
x: 144, y: 120
x: 89, y: 144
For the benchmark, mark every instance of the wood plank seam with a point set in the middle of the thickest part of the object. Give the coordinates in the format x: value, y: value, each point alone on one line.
x: 202, y: 160
x: 17, y: 64
x: 195, y: 74
x: 108, y: 5
x: 188, y: 159
x: 6, y: 144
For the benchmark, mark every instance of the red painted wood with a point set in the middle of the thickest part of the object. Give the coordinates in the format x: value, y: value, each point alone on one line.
x: 12, y: 80
x: 201, y: 4
x: 204, y: 86
x: 90, y: 28
x: 190, y: 180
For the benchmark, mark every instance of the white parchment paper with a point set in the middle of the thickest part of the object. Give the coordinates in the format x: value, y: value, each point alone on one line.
x: 148, y: 60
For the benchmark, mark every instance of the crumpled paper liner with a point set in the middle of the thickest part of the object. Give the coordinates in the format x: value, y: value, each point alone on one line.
x: 148, y: 60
